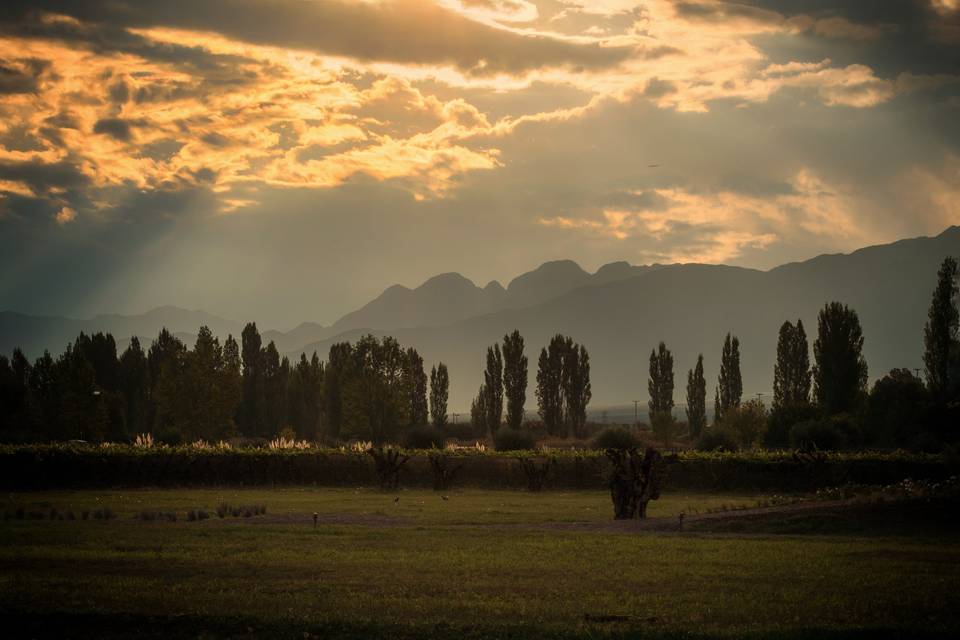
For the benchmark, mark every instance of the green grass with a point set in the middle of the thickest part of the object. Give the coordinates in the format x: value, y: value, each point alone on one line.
x: 448, y: 570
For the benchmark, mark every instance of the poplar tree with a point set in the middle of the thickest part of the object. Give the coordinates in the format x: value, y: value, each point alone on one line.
x: 416, y: 383
x: 729, y: 383
x: 660, y: 383
x: 696, y: 399
x: 439, y: 393
x: 940, y: 332
x: 514, y: 378
x: 840, y: 372
x: 791, y: 374
x: 493, y: 387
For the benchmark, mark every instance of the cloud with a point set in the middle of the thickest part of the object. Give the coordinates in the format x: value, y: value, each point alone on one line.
x: 403, y: 31
x: 21, y: 75
x: 66, y: 215
x: 116, y: 128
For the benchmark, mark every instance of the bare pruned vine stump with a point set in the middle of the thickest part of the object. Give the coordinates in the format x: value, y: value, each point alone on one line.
x: 634, y: 481
x: 443, y: 471
x: 387, y: 463
x: 536, y: 473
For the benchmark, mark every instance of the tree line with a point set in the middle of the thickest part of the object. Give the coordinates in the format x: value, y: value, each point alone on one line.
x: 369, y: 390
x: 827, y: 404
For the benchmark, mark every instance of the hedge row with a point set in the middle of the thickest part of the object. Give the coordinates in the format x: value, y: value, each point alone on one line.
x: 64, y: 466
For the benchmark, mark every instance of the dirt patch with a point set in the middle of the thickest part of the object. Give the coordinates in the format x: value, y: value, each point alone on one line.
x: 306, y: 519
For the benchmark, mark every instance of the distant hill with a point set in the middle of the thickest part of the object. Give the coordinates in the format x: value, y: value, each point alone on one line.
x: 619, y: 313
x: 692, y: 307
x: 33, y: 334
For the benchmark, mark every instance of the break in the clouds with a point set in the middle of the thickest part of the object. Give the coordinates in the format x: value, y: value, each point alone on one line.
x: 287, y: 159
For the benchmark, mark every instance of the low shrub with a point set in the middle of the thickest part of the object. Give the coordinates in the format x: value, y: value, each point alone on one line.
x: 717, y: 439
x: 424, y: 437
x: 508, y: 439
x: 616, y: 438
x: 829, y: 434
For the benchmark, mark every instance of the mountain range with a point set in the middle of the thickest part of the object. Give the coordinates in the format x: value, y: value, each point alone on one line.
x: 619, y: 313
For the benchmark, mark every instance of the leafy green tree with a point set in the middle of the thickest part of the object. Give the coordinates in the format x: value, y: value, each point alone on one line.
x: 840, y: 372
x: 376, y: 397
x: 305, y: 397
x: 940, y: 333
x: 493, y: 385
x: 439, y: 394
x: 550, y: 385
x: 416, y: 382
x: 514, y: 378
x: 745, y: 423
x: 729, y: 383
x: 660, y: 383
x: 576, y: 387
x: 696, y: 399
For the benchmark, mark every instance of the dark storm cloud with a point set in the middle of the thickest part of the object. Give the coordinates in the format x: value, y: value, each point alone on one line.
x: 21, y: 76
x: 116, y: 128
x: 406, y: 31
x: 43, y: 177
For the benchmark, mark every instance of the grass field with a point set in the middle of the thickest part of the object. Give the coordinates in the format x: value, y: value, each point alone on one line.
x: 479, y: 564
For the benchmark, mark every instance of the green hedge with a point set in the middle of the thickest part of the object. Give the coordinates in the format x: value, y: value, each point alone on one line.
x: 81, y: 466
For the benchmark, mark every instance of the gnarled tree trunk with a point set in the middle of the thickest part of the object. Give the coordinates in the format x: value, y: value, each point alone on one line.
x: 536, y: 473
x: 634, y: 481
x: 387, y: 463
x: 443, y: 471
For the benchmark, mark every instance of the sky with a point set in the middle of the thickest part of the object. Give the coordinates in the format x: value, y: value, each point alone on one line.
x: 287, y: 160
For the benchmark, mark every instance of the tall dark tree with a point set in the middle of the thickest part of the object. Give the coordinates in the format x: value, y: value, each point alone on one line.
x: 791, y: 374
x: 550, y: 385
x: 514, y: 378
x: 338, y: 362
x: 660, y: 383
x: 493, y: 385
x: 696, y: 399
x: 376, y: 398
x: 305, y: 397
x: 275, y: 372
x: 940, y: 332
x: 439, y: 394
x: 577, y: 391
x: 478, y: 413
x: 251, y: 414
x: 416, y: 383
x: 840, y: 372
x: 730, y: 382
x: 135, y: 386
x: 43, y: 397
x: 14, y: 396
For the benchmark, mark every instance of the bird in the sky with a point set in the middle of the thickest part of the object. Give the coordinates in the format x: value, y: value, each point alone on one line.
x: 653, y: 166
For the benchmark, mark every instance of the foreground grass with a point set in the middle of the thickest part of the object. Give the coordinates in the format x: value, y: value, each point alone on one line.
x: 441, y: 570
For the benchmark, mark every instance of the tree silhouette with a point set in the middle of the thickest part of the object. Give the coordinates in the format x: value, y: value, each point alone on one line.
x: 550, y: 385
x: 696, y: 399
x: 940, y: 332
x: 514, y: 378
x: 791, y: 374
x: 493, y: 387
x: 840, y: 372
x: 660, y: 383
x: 729, y: 384
x: 416, y: 383
x: 439, y: 394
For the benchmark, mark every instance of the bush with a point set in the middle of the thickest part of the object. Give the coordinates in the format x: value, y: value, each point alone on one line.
x: 616, y: 438
x: 717, y: 439
x: 424, y: 437
x: 508, y: 439
x: 747, y: 423
x: 833, y: 433
x: 459, y: 431
x: 782, y: 420
x: 664, y: 427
